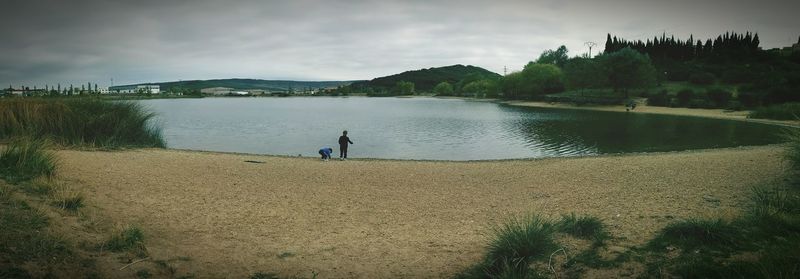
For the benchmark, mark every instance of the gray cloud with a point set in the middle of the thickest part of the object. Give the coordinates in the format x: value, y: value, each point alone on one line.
x: 140, y: 41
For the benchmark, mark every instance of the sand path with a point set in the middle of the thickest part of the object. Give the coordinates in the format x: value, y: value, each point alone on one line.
x: 383, y: 218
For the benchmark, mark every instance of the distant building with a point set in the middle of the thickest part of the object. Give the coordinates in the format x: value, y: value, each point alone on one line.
x: 217, y: 90
x: 134, y: 89
x: 103, y: 90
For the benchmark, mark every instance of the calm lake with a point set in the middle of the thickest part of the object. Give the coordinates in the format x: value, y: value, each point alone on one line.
x: 430, y: 128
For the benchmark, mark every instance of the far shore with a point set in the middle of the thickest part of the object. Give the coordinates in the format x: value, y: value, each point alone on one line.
x: 642, y: 108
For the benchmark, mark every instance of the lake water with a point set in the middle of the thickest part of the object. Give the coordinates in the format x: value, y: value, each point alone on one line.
x: 430, y: 128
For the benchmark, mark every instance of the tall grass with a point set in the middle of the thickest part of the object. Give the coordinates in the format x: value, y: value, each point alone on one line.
x: 788, y: 111
x: 80, y: 122
x: 25, y: 159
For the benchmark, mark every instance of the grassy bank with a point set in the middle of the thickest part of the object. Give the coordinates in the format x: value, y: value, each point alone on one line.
x: 79, y: 122
x: 762, y: 242
x: 788, y: 111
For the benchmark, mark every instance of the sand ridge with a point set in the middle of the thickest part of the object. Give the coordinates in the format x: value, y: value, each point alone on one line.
x: 386, y: 218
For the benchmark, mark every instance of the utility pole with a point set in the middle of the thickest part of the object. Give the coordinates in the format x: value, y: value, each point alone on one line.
x: 505, y: 71
x: 590, y: 45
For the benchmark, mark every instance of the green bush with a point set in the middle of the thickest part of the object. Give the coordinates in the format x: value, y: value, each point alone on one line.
x: 695, y: 233
x: 80, y: 122
x: 788, y: 111
x: 519, y: 242
x: 684, y: 97
x: 702, y: 78
x: 718, y: 97
x: 661, y: 99
x: 585, y: 227
x: 25, y: 159
x: 126, y: 239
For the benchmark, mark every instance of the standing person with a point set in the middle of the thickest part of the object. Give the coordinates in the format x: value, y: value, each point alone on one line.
x: 326, y: 153
x: 343, y: 141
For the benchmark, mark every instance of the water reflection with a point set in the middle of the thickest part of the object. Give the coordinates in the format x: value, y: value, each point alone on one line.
x: 427, y: 128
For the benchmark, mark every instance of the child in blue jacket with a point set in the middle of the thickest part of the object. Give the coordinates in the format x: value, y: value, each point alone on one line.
x: 326, y: 153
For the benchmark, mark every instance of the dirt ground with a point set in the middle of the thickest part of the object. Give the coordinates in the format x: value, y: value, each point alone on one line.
x: 228, y: 218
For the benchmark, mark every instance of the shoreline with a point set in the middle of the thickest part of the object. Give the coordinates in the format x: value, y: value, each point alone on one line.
x: 642, y: 108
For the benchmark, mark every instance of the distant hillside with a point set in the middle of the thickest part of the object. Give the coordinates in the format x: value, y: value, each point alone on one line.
x: 426, y: 79
x: 235, y: 83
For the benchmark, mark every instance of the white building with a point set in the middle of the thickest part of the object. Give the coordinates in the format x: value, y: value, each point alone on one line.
x: 133, y: 89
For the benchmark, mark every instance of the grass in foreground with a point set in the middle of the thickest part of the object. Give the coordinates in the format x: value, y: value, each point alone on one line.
x: 27, y: 247
x: 129, y: 238
x: 584, y: 227
x: 25, y: 159
x: 81, y: 121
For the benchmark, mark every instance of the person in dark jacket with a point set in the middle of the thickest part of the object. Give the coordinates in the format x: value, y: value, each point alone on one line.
x: 325, y: 152
x: 343, y: 141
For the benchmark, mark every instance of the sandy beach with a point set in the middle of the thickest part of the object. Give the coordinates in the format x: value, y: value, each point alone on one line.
x: 388, y: 219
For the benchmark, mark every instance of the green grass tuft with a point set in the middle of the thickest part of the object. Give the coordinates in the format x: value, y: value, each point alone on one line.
x: 127, y: 239
x: 25, y: 159
x: 584, y: 227
x: 82, y: 121
x: 262, y: 275
x: 694, y: 233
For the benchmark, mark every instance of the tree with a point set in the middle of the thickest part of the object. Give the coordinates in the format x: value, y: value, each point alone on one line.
x: 628, y: 69
x: 539, y: 79
x: 443, y: 88
x: 583, y: 73
x: 511, y: 85
x: 481, y: 88
x: 404, y: 88
x: 558, y: 57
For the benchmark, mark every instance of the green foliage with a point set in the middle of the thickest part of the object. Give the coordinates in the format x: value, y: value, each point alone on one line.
x: 261, y: 275
x: 143, y: 274
x: 695, y: 233
x: 556, y: 57
x: 126, y: 239
x: 628, y: 69
x: 481, y: 88
x: 25, y: 159
x: 788, y: 111
x: 584, y: 73
x: 793, y: 153
x: 518, y: 243
x: 82, y: 121
x: 25, y: 238
x: 426, y: 79
x: 404, y: 88
x: 702, y: 78
x: 68, y: 200
x: 584, y: 227
x: 684, y: 97
x: 443, y: 88
x: 718, y: 97
x: 534, y: 81
x: 660, y: 99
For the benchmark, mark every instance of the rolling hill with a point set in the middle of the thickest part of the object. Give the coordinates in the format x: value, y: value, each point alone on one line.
x: 426, y: 79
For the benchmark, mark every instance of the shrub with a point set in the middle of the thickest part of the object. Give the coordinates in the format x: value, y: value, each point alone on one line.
x: 80, y: 122
x: 750, y: 98
x: 694, y: 233
x: 519, y: 242
x: 128, y: 238
x: 585, y: 227
x: 788, y: 111
x: 702, y: 78
x: 25, y: 159
x: 684, y: 96
x: 661, y: 99
x: 718, y: 97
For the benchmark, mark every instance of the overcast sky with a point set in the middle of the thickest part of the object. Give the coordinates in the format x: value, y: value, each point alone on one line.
x: 81, y: 41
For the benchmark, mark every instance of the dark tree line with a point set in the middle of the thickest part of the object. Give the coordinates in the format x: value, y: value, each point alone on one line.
x: 726, y: 45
